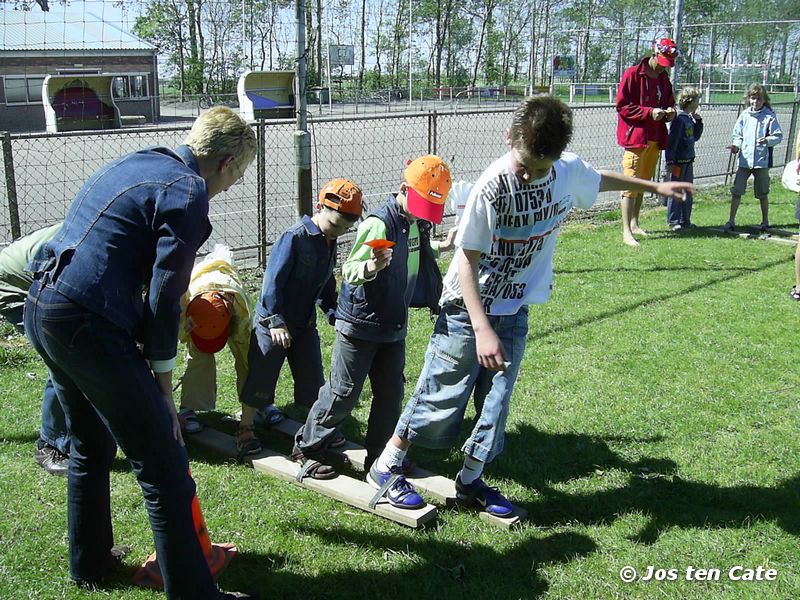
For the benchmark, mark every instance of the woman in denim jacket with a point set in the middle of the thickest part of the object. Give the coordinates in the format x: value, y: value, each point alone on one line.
x: 112, y: 278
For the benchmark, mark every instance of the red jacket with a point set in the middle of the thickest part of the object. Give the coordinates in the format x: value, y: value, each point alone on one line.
x: 637, y: 96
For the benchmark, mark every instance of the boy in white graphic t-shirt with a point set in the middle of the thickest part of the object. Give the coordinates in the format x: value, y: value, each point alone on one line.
x: 506, y: 240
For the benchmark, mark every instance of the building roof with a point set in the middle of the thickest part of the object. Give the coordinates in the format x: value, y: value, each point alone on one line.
x: 63, y: 30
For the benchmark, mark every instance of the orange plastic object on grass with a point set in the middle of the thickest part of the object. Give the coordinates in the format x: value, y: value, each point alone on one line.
x: 218, y: 556
x: 378, y: 244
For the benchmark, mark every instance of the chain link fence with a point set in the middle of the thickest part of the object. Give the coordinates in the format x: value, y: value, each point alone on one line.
x: 43, y: 172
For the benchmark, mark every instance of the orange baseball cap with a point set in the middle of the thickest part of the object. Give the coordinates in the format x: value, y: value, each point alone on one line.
x: 342, y: 195
x: 210, y: 315
x: 428, y: 179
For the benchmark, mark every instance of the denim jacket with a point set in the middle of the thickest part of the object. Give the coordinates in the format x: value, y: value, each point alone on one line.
x: 750, y: 127
x: 128, y: 243
x: 299, y: 276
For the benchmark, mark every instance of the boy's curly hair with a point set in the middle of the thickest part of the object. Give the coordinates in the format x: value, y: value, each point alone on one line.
x: 541, y: 127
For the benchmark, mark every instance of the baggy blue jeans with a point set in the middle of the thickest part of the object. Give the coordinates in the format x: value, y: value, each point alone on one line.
x: 680, y: 213
x: 432, y: 418
x: 53, y: 431
x: 54, y: 424
x: 110, y: 395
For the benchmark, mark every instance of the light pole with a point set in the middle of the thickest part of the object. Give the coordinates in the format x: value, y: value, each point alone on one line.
x: 676, y: 32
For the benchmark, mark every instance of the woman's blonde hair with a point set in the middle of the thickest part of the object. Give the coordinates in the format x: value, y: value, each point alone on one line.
x: 687, y: 96
x: 220, y: 132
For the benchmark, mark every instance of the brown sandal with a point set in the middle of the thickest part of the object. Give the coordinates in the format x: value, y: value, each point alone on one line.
x: 246, y: 441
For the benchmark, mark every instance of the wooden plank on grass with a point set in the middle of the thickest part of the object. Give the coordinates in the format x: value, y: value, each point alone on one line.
x: 758, y: 236
x: 770, y: 231
x: 441, y: 490
x: 345, y: 489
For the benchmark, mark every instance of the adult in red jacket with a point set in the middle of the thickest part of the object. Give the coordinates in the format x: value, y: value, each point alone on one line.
x: 644, y: 105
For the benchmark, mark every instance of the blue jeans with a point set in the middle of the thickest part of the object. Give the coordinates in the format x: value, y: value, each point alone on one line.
x: 432, y: 418
x: 54, y: 424
x: 354, y: 360
x: 680, y: 213
x: 110, y: 395
x: 265, y: 361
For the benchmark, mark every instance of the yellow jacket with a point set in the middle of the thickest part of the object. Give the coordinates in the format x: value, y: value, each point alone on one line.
x: 217, y: 274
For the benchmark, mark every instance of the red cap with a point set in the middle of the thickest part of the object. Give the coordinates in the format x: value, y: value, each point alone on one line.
x: 666, y: 52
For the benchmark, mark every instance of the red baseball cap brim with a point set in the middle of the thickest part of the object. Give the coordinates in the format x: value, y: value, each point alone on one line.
x: 664, y: 60
x: 422, y: 208
x: 213, y: 345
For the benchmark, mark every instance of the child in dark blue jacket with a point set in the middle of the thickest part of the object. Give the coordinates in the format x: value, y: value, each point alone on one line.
x: 299, y: 277
x: 684, y: 131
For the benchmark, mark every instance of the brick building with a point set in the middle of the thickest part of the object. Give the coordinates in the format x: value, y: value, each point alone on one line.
x: 34, y: 44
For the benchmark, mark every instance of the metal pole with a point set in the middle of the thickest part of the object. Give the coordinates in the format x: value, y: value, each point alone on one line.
x: 244, y: 35
x: 261, y: 193
x: 710, y: 73
x: 327, y: 28
x: 410, y: 50
x: 302, y: 139
x: 676, y: 30
x: 11, y: 186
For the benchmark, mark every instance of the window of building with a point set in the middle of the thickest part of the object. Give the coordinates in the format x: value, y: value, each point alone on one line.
x: 24, y: 90
x: 130, y: 86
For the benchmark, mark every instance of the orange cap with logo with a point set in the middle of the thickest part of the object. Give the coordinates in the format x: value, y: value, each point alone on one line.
x: 210, y: 315
x: 428, y: 179
x: 342, y: 195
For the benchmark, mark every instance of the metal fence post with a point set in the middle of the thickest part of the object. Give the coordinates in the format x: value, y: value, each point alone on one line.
x: 790, y: 147
x: 261, y: 193
x: 11, y: 186
x: 432, y: 132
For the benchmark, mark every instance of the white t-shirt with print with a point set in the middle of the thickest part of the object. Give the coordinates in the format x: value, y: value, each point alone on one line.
x: 515, y: 226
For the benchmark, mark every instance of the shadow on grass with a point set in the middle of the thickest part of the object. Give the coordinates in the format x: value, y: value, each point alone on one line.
x: 418, y: 568
x: 673, y: 502
x: 543, y: 333
x: 543, y: 459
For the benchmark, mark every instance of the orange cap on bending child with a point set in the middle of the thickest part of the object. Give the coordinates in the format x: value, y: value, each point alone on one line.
x: 428, y: 179
x: 342, y: 195
x: 209, y: 315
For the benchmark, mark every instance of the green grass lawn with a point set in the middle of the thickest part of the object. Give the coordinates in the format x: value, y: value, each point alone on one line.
x: 655, y: 423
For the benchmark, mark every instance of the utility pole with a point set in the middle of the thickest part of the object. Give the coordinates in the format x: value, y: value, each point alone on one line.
x: 302, y: 139
x: 676, y: 32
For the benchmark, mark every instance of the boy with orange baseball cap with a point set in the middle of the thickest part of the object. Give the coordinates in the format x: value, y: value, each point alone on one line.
x: 299, y: 277
x: 379, y: 281
x: 216, y: 312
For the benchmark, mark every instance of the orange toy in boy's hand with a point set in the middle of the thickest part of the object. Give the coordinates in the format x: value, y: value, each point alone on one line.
x: 378, y: 244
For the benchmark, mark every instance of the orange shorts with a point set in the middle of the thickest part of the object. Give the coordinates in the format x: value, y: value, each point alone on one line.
x: 641, y: 163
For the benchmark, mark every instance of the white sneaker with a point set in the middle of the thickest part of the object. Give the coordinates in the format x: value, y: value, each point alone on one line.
x: 189, y: 422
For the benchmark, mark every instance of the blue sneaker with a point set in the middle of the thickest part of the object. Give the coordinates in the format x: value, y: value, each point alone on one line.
x: 492, y: 501
x: 269, y: 415
x: 393, y: 486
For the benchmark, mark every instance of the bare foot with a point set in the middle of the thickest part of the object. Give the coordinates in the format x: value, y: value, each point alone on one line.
x: 638, y: 231
x: 629, y: 240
